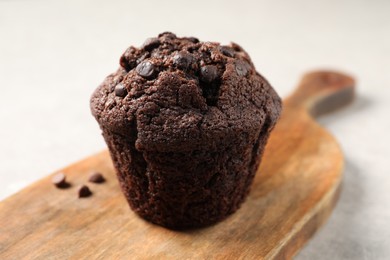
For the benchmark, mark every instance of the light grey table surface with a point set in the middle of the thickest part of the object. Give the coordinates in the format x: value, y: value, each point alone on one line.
x: 54, y: 53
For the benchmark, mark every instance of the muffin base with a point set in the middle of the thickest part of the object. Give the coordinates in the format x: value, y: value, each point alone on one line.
x: 181, y: 190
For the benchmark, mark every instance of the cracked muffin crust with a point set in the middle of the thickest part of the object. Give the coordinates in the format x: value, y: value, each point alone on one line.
x: 186, y: 123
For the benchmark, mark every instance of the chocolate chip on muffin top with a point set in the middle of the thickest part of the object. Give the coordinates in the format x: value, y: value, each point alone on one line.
x: 203, y: 63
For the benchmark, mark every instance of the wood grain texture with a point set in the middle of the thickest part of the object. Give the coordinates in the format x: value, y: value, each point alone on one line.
x: 295, y: 192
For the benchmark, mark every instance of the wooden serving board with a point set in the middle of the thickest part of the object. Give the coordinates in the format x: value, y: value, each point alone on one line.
x: 293, y: 194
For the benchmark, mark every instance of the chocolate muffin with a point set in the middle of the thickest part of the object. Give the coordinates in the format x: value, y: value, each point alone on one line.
x: 186, y: 123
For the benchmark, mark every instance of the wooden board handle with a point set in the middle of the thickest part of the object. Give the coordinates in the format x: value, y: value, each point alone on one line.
x: 320, y: 92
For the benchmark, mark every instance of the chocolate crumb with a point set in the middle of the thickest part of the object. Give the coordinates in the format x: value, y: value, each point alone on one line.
x: 84, y: 191
x: 59, y: 180
x: 236, y: 47
x: 96, y: 177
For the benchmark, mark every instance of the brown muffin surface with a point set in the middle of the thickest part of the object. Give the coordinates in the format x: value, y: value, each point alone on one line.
x: 186, y: 123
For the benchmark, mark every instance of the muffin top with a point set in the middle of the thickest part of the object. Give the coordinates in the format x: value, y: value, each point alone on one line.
x: 176, y: 94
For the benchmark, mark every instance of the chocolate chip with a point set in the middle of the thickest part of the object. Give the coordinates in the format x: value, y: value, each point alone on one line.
x: 227, y: 51
x: 120, y: 90
x: 84, y: 191
x: 146, y: 70
x: 150, y: 44
x: 183, y: 60
x: 59, y: 180
x: 193, y: 39
x: 209, y: 73
x: 96, y: 177
x: 242, y: 67
x: 167, y: 35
